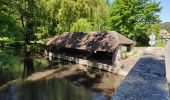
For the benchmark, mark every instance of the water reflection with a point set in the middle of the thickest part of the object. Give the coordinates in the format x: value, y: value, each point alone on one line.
x: 28, y: 64
x: 10, y: 66
x: 52, y: 89
x: 19, y: 64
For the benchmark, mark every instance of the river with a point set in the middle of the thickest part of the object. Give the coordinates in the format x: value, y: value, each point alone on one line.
x: 18, y: 64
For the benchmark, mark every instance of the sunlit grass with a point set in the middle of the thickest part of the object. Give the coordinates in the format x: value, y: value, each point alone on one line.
x: 161, y: 44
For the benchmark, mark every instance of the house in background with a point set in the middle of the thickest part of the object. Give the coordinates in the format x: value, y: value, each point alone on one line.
x: 165, y: 35
x: 92, y: 49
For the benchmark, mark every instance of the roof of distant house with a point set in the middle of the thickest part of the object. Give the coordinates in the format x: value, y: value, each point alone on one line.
x: 164, y: 32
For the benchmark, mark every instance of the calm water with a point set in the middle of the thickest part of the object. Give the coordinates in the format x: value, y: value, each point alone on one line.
x: 19, y: 64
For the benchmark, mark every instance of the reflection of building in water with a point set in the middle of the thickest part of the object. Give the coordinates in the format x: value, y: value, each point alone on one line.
x: 94, y: 49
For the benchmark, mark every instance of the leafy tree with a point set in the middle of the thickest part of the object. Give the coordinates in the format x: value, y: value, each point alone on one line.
x: 100, y: 10
x: 48, y: 12
x: 67, y: 14
x: 30, y: 18
x: 72, y: 10
x: 82, y: 25
x: 154, y: 29
x: 132, y: 18
x: 38, y: 17
x: 9, y: 23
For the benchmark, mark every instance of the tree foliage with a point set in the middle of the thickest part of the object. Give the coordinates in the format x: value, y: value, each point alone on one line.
x: 166, y: 26
x: 94, y: 11
x: 9, y: 23
x: 154, y: 29
x: 133, y: 17
x: 28, y: 19
x: 82, y: 25
x: 32, y: 20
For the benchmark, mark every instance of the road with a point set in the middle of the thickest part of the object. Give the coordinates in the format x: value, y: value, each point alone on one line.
x: 146, y: 80
x: 167, y: 60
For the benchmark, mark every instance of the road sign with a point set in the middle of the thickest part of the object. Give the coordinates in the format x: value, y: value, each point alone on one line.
x: 151, y: 43
x: 152, y: 37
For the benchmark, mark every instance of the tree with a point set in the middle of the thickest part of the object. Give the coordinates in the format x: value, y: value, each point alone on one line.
x: 94, y: 11
x: 9, y: 24
x: 26, y: 8
x: 81, y: 26
x: 49, y: 16
x: 132, y: 18
x: 32, y: 16
x: 38, y: 17
x: 154, y: 29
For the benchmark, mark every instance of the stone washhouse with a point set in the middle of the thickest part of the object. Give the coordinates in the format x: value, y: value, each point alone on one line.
x: 91, y: 49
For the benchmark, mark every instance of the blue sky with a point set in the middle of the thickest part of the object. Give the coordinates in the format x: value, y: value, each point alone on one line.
x: 165, y: 13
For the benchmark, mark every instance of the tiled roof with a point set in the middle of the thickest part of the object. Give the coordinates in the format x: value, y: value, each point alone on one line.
x: 96, y: 41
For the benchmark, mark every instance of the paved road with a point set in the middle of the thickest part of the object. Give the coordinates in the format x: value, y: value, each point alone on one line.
x: 167, y: 60
x: 146, y: 80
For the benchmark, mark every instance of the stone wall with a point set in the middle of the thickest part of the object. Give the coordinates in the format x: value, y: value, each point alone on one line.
x: 84, y: 62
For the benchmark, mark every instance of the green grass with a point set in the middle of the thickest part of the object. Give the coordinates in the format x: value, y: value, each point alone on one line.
x: 141, y: 46
x: 161, y: 44
x: 4, y: 39
x: 157, y: 44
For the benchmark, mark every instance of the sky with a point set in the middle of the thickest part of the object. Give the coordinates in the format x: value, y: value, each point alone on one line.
x: 165, y: 13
